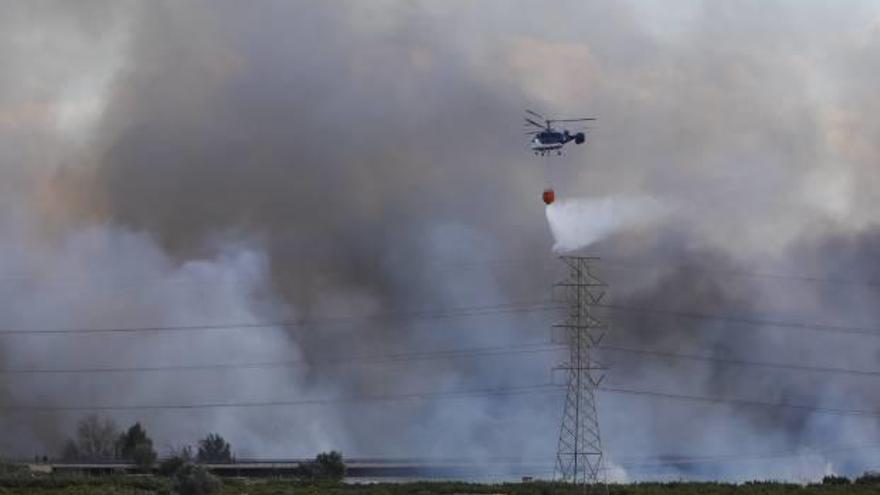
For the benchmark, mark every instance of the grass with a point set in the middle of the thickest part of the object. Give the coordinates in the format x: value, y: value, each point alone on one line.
x: 154, y: 485
x: 71, y: 485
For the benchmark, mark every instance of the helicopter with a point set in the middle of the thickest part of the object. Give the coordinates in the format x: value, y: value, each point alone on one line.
x: 548, y: 139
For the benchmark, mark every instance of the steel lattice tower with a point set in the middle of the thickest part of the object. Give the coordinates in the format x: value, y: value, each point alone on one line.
x: 579, y: 454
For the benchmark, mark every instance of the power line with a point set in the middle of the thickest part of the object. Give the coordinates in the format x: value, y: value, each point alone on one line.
x: 502, y: 391
x: 455, y: 394
x: 812, y: 279
x: 748, y: 321
x: 635, y: 264
x: 517, y: 349
x: 834, y: 411
x: 618, y: 262
x: 741, y: 362
x: 460, y: 312
x: 381, y: 358
x: 468, y: 311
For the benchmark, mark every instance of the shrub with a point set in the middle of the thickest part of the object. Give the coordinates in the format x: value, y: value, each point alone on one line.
x: 12, y: 470
x: 170, y: 466
x: 191, y: 479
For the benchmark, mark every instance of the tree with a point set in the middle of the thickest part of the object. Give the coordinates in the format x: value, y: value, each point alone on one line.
x: 835, y: 480
x: 144, y: 455
x: 185, y: 453
x: 327, y: 465
x: 134, y: 445
x: 70, y: 451
x: 213, y: 448
x: 95, y: 440
x: 869, y: 478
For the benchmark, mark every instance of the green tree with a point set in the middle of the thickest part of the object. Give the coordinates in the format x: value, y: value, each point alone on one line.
x: 327, y: 465
x: 134, y: 445
x: 835, y: 480
x: 214, y: 448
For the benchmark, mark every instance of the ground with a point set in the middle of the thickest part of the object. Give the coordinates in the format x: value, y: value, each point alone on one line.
x: 149, y: 485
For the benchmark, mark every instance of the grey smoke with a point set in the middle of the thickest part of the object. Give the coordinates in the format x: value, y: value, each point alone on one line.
x: 305, y: 160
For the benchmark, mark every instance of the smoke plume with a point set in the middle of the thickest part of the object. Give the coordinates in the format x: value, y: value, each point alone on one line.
x: 338, y: 171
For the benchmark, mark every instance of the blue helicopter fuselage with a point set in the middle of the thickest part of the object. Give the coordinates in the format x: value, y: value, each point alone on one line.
x: 550, y: 140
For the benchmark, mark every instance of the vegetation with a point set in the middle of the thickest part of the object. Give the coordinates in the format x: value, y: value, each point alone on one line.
x: 12, y: 470
x: 191, y: 479
x: 271, y: 487
x: 95, y: 440
x: 134, y: 445
x: 214, y: 449
x: 869, y: 478
x: 175, y: 461
x: 170, y: 466
x: 835, y: 480
x: 99, y: 439
x: 326, y: 466
x: 195, y: 480
x: 70, y: 485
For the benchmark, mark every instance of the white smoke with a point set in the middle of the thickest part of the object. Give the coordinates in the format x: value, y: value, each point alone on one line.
x: 110, y: 277
x: 579, y: 222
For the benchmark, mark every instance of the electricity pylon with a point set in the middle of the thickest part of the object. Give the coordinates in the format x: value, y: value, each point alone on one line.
x: 579, y: 454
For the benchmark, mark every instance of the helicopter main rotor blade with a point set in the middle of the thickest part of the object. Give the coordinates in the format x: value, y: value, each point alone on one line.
x: 536, y: 114
x: 530, y: 121
x: 571, y: 120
